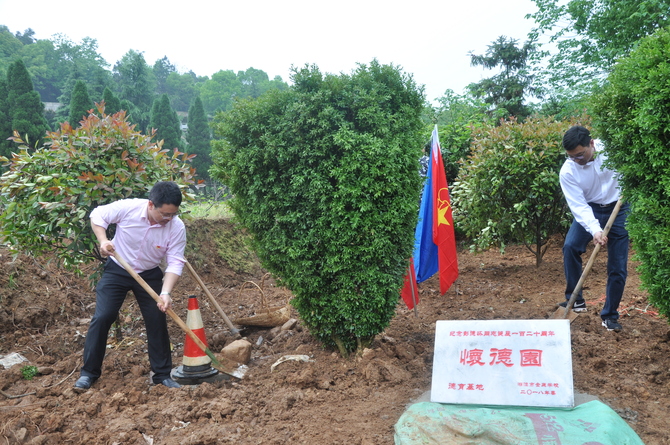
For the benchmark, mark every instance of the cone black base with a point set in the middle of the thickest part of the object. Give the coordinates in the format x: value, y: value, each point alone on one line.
x: 190, y: 377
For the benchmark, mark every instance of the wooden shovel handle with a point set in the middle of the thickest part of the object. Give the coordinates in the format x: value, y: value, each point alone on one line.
x: 155, y: 296
x: 587, y: 269
x: 196, y: 277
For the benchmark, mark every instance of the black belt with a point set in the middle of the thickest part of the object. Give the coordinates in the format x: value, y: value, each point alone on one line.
x: 593, y: 204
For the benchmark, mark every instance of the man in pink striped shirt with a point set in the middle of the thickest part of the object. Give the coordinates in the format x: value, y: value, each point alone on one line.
x: 147, y: 231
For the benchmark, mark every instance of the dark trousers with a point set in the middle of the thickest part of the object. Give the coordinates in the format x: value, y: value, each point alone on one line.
x: 617, y: 257
x: 110, y: 293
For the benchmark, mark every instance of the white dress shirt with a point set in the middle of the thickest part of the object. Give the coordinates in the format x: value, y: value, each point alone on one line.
x: 137, y: 241
x: 590, y: 183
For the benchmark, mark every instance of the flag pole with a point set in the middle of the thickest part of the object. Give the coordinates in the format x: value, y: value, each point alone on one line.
x: 411, y: 285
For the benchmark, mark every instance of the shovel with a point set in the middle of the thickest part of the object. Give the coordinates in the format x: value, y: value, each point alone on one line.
x: 196, y: 277
x: 567, y: 313
x: 175, y: 317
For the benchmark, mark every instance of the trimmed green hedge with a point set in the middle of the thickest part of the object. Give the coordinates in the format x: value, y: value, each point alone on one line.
x: 632, y: 115
x: 325, y: 177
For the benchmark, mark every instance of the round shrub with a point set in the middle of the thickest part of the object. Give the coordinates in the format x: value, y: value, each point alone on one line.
x: 325, y: 177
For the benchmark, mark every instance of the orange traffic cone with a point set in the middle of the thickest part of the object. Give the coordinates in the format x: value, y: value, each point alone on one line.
x: 196, y: 365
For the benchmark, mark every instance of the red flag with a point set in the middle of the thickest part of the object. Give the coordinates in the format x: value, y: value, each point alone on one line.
x: 443, y: 220
x: 409, y: 287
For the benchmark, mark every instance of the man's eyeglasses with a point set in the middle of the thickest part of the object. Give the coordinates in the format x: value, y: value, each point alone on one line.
x: 577, y: 157
x: 168, y: 215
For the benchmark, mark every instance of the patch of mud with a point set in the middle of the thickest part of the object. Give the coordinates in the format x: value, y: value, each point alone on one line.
x: 44, y: 314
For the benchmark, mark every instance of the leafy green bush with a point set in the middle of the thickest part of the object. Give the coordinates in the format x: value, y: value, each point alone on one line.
x: 508, y: 189
x: 632, y: 115
x: 325, y: 177
x: 47, y: 195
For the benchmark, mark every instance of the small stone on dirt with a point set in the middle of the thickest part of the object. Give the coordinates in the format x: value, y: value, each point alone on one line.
x: 368, y: 353
x: 388, y: 339
x: 238, y: 351
x: 274, y: 332
x: 289, y: 325
x: 20, y: 434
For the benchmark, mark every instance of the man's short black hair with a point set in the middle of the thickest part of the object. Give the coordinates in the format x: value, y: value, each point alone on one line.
x: 575, y: 136
x: 165, y: 192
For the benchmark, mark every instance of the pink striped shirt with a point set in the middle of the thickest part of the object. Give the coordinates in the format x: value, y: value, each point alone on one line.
x: 138, y: 242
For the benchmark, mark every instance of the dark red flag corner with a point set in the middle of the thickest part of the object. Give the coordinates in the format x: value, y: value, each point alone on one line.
x: 409, y: 286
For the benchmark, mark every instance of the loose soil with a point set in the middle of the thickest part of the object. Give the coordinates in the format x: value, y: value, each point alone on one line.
x: 44, y: 314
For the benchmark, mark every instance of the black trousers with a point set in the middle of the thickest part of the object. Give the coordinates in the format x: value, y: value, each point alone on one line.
x: 110, y: 293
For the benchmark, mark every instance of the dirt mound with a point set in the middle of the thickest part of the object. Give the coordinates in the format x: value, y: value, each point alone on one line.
x: 44, y: 314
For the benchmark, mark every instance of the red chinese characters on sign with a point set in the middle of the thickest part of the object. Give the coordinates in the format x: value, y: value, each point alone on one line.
x: 517, y: 363
x: 501, y: 356
x: 531, y: 357
x: 466, y: 386
x: 537, y: 388
x: 472, y: 357
x: 538, y: 384
x: 502, y: 333
x: 535, y: 392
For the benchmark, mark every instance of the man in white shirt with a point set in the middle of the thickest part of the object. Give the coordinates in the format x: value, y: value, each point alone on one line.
x: 147, y: 231
x: 592, y: 191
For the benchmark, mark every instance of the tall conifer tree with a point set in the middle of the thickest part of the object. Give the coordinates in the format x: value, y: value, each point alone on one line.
x: 505, y: 91
x: 5, y: 123
x: 164, y: 119
x: 63, y: 112
x: 198, y: 138
x: 26, y: 110
x: 112, y: 102
x: 80, y: 103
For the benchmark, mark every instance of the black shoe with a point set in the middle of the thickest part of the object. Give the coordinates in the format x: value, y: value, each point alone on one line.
x: 170, y: 383
x: 612, y: 325
x: 579, y: 306
x: 83, y: 383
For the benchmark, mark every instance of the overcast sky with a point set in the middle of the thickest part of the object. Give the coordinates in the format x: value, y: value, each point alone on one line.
x: 428, y: 39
